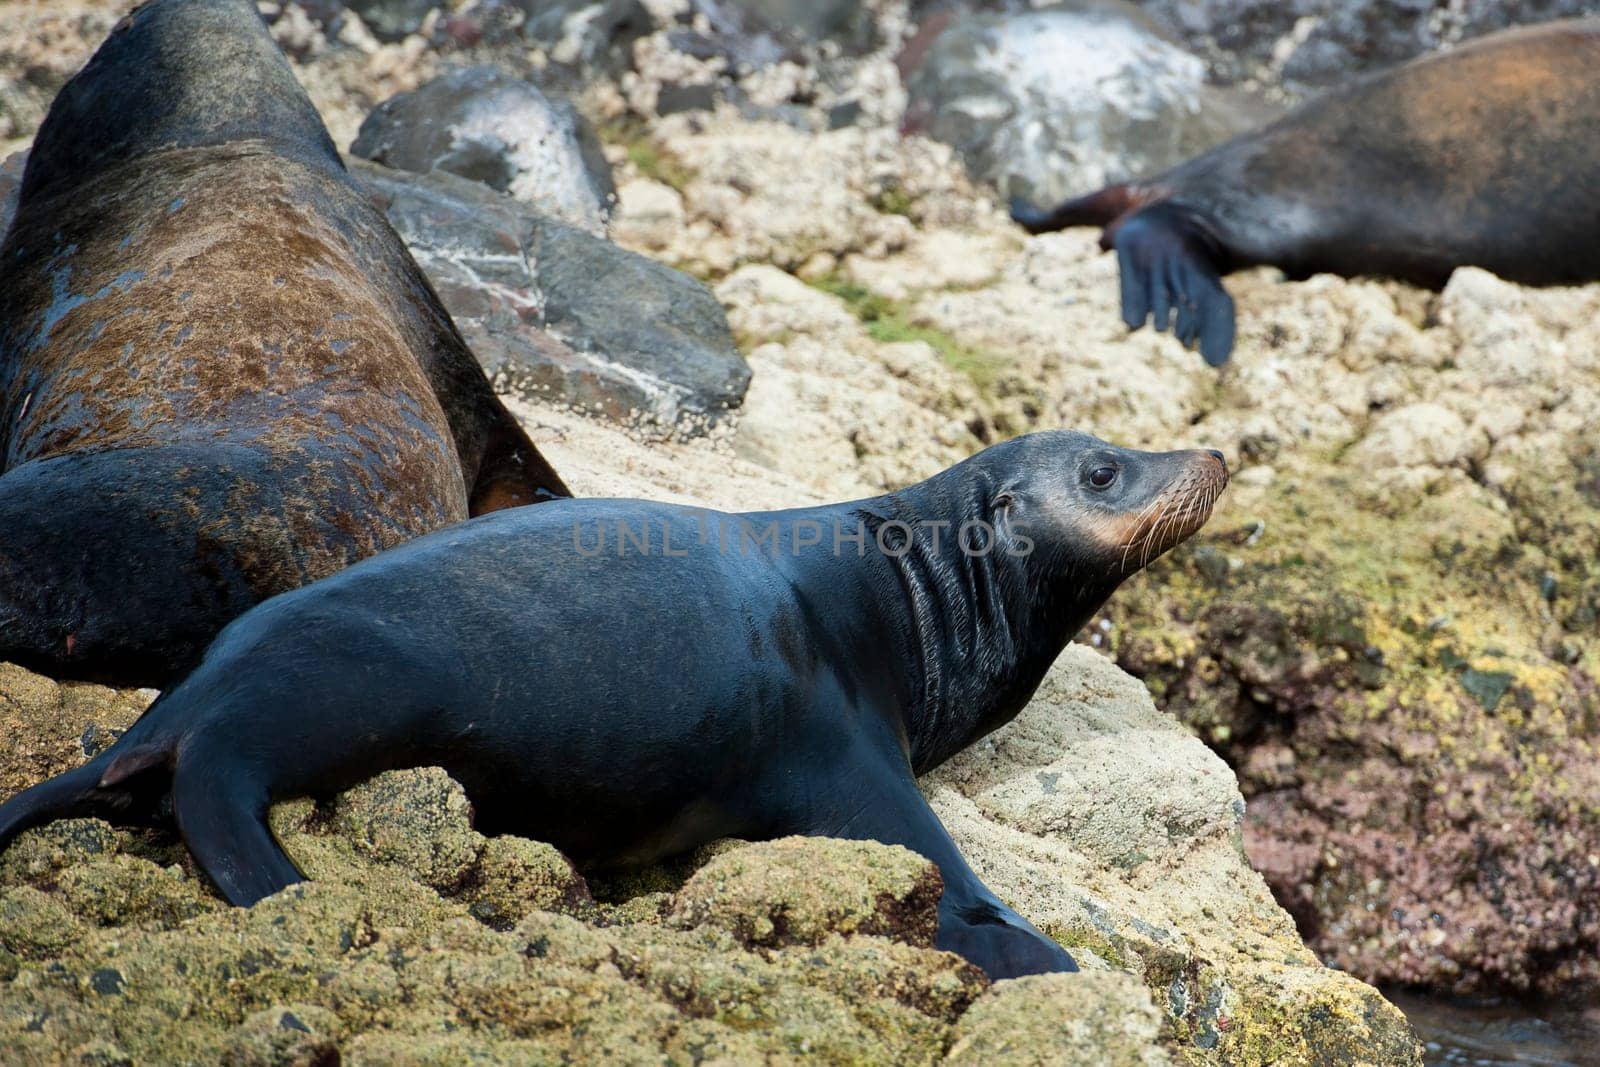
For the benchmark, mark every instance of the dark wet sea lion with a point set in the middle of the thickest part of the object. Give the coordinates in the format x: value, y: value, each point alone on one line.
x: 701, y: 675
x: 221, y: 374
x: 1486, y: 155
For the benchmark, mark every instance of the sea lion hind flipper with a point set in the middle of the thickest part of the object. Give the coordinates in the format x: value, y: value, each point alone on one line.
x: 878, y: 802
x: 123, y: 785
x: 1169, y: 263
x: 222, y: 817
x: 512, y: 472
x: 73, y: 794
x: 1099, y: 208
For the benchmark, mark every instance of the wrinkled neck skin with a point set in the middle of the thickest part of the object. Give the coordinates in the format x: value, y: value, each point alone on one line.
x: 965, y: 639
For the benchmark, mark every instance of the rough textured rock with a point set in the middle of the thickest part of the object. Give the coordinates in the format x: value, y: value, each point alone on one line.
x: 584, y: 35
x: 845, y: 22
x: 52, y: 726
x: 391, y: 20
x: 484, y: 124
x: 372, y: 961
x: 1309, y: 44
x: 552, y: 311
x: 793, y: 891
x: 1058, y: 1020
x: 659, y: 323
x: 1060, y: 101
x: 418, y: 940
x: 1153, y: 886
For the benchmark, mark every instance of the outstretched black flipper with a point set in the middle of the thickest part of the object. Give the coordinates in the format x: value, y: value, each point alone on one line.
x: 1099, y: 208
x: 72, y: 795
x: 221, y: 810
x: 1170, y: 264
x: 875, y: 798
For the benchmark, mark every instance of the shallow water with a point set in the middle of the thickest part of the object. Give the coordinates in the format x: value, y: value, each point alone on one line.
x: 1467, y: 1033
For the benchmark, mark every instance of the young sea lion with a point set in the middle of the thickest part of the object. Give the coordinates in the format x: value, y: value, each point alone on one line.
x: 700, y: 675
x: 1486, y: 155
x: 221, y: 374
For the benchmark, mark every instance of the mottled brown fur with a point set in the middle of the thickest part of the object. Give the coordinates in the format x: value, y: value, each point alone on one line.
x: 222, y: 376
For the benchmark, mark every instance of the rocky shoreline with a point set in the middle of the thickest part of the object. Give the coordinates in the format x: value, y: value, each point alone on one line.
x: 419, y: 941
x: 1389, y: 630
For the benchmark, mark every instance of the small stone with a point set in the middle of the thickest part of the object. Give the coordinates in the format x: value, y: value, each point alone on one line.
x: 514, y: 877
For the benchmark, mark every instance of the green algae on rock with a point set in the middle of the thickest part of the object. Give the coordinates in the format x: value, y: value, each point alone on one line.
x: 797, y: 891
x: 420, y: 941
x: 1054, y: 1020
x: 1418, y: 729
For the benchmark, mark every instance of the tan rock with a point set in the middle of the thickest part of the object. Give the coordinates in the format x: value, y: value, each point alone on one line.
x: 1061, y: 1020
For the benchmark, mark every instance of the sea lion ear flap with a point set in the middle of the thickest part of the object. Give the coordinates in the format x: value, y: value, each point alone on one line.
x: 1170, y: 264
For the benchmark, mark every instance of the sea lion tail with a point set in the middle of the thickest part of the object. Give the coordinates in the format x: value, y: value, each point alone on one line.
x: 1100, y: 208
x: 1170, y: 262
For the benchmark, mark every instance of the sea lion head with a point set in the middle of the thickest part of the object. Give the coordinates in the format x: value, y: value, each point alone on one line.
x: 1095, y: 512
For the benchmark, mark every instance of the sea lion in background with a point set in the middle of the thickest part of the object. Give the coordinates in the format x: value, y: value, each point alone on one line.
x: 701, y: 675
x: 1486, y: 155
x: 222, y: 376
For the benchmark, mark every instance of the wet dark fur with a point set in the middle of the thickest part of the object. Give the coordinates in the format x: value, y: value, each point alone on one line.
x: 785, y: 683
x: 221, y: 374
x: 1486, y: 155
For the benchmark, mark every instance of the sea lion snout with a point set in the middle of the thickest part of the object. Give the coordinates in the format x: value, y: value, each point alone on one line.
x: 1100, y: 509
x: 1157, y: 501
x: 1184, y: 488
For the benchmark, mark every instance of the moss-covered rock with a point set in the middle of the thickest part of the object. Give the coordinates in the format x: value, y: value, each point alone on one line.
x: 1118, y: 833
x: 1416, y: 727
x: 797, y: 890
x: 1056, y: 1020
x: 418, y: 940
x: 514, y: 877
x: 54, y: 726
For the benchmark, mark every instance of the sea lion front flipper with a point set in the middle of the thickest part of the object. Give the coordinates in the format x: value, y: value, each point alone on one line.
x: 879, y: 801
x: 1169, y: 263
x: 513, y: 471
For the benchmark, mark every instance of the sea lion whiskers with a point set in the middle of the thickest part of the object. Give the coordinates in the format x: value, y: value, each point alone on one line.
x: 1183, y: 508
x: 1182, y: 520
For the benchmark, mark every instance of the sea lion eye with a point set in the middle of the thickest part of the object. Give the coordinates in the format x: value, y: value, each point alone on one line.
x: 1102, y: 477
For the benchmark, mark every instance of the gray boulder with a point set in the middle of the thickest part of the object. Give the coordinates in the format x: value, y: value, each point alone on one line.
x: 390, y: 20
x: 553, y: 311
x: 585, y: 34
x: 847, y: 23
x: 1060, y: 101
x: 484, y: 124
x: 1313, y: 44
